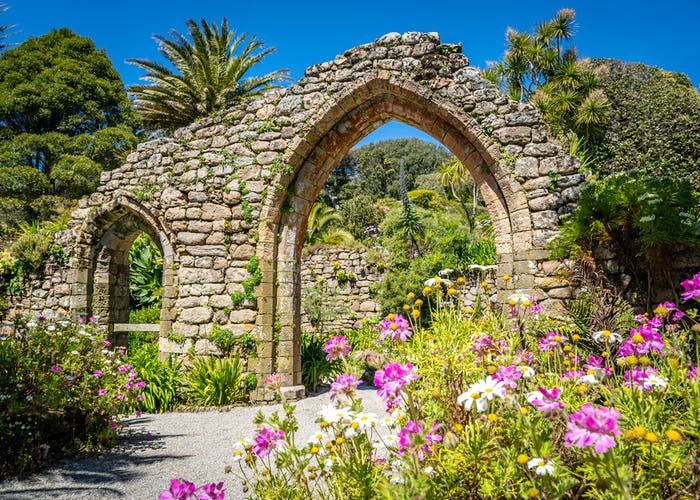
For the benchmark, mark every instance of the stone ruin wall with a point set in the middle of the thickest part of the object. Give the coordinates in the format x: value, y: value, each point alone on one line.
x: 240, y: 184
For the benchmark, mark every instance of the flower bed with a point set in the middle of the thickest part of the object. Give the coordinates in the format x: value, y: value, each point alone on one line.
x: 500, y: 405
x: 62, y: 391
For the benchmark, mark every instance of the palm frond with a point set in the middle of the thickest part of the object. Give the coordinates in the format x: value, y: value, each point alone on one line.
x: 210, y: 65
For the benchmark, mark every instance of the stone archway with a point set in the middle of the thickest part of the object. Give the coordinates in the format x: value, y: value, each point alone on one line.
x: 468, y: 115
x: 101, y: 262
x: 228, y: 197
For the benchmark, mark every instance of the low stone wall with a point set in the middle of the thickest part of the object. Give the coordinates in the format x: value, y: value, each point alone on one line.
x: 345, y: 276
x: 345, y: 279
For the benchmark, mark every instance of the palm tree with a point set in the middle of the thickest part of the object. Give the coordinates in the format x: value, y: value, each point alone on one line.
x: 5, y: 29
x: 322, y: 227
x: 209, y: 75
x: 454, y: 175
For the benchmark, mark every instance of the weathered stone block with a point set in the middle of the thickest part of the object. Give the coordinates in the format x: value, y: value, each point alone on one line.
x: 513, y: 135
x: 195, y: 315
x: 191, y: 238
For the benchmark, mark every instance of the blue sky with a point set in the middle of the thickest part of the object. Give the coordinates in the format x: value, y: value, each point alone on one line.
x: 662, y: 34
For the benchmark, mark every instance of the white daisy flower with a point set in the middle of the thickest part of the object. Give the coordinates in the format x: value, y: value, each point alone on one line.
x: 238, y: 455
x: 365, y: 420
x: 607, y: 336
x: 242, y: 443
x: 527, y: 371
x: 588, y: 379
x: 541, y: 466
x: 332, y: 415
x: 473, y: 398
x: 315, y: 438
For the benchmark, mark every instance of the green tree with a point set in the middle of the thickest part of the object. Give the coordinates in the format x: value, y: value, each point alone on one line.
x: 654, y: 122
x: 209, y: 75
x: 359, y: 213
x: 64, y: 115
x: 373, y: 169
x: 645, y: 220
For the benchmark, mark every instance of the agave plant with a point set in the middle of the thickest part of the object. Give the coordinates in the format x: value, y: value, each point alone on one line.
x: 145, y: 273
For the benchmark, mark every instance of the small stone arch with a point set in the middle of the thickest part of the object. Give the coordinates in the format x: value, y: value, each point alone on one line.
x: 101, y: 262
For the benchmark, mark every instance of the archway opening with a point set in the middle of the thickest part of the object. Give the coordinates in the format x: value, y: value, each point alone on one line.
x: 397, y: 210
x: 145, y: 292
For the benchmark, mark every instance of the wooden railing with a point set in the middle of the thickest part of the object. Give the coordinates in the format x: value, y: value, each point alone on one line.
x: 136, y: 327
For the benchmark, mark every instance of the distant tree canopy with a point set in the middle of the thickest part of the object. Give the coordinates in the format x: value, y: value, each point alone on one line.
x: 373, y: 170
x: 654, y: 121
x: 64, y: 117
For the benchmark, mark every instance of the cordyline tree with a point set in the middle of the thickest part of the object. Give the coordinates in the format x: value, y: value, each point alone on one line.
x: 64, y: 117
x: 209, y: 74
x: 537, y: 67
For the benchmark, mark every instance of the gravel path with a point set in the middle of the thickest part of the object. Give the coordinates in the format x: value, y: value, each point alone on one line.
x: 196, y: 446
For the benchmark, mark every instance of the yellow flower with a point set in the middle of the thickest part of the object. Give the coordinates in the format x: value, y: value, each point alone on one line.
x: 533, y: 492
x: 672, y: 362
x: 406, y: 307
x: 673, y: 435
x: 638, y: 432
x: 458, y: 428
x: 339, y: 440
x: 427, y: 291
x: 631, y: 360
x: 524, y: 411
x: 315, y: 450
x: 460, y: 281
x: 522, y: 459
x: 651, y: 437
x: 575, y: 337
x: 661, y: 312
x: 418, y: 303
x: 451, y: 291
x: 415, y: 314
x: 492, y: 417
x: 391, y: 317
x: 491, y: 369
x: 411, y: 295
x: 506, y: 277
x: 637, y: 339
x: 644, y: 360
